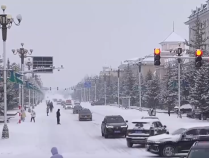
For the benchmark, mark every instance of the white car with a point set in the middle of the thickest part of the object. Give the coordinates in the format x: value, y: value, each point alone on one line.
x: 150, y: 117
x: 68, y: 107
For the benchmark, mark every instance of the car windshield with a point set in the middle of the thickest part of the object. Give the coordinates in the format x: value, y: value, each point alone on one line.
x: 179, y: 131
x: 85, y: 111
x: 115, y: 120
x: 141, y: 125
x: 199, y: 153
x: 149, y: 118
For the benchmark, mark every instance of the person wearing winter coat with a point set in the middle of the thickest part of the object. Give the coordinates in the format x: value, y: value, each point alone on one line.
x: 33, y: 115
x: 58, y: 116
x: 47, y: 110
x: 51, y: 107
x: 55, y: 153
x: 23, y: 115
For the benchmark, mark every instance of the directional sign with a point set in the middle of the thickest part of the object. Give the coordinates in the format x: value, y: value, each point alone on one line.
x: 43, y: 62
x: 87, y: 84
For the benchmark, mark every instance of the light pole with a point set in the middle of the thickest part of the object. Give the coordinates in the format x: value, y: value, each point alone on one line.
x: 6, y: 22
x: 22, y: 52
x: 29, y: 64
x: 95, y: 87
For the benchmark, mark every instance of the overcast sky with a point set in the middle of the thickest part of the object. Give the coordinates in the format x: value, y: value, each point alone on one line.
x: 85, y: 35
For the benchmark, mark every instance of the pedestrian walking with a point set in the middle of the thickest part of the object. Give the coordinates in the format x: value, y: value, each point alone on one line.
x: 23, y: 115
x: 33, y: 115
x: 58, y: 116
x: 55, y: 153
x: 47, y: 110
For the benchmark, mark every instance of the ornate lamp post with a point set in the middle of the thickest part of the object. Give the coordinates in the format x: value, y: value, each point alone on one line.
x: 6, y: 22
x: 22, y: 52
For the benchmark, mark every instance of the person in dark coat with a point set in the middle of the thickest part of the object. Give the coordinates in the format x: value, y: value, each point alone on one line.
x: 47, y: 110
x: 58, y: 116
x: 51, y: 107
x: 55, y: 153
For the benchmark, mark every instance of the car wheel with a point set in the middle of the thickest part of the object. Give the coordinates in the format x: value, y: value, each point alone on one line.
x: 129, y: 144
x: 167, y: 151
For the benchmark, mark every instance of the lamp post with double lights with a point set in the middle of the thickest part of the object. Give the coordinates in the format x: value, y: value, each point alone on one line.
x: 6, y: 22
x: 95, y: 87
x: 22, y: 52
x: 29, y: 64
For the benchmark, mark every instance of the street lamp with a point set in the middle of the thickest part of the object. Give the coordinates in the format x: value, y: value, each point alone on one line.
x: 22, y: 52
x: 29, y: 64
x: 6, y: 22
x: 95, y: 87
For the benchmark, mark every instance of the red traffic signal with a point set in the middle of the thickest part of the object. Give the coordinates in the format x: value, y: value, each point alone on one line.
x: 157, y: 51
x: 157, y: 56
x: 199, y: 52
x: 198, y: 60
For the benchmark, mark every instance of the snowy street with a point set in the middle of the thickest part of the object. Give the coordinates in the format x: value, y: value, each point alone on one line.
x: 74, y: 138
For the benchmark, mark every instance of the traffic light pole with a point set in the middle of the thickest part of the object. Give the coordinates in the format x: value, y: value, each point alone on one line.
x: 178, y: 57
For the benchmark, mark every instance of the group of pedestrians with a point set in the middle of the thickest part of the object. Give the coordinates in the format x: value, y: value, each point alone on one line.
x: 50, y: 108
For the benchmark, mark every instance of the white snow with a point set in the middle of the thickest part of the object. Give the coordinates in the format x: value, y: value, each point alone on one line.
x: 173, y: 37
x: 73, y: 138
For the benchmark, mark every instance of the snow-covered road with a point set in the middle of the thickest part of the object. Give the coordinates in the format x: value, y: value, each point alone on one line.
x: 75, y: 139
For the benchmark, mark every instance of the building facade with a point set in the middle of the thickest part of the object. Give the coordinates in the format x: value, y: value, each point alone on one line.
x: 203, y: 13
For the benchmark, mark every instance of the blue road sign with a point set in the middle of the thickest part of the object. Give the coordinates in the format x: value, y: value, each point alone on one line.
x: 87, y: 84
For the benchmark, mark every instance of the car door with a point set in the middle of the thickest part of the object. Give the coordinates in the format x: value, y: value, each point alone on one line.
x: 161, y: 129
x: 103, y: 124
x: 188, y: 139
x: 155, y: 128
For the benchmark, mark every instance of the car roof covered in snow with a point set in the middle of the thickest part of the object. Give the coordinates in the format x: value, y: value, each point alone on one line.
x: 144, y: 120
x: 113, y: 116
x: 150, y: 117
x: 196, y: 125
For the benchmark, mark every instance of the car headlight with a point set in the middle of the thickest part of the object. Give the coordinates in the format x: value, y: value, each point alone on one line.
x: 109, y: 126
x: 124, y: 126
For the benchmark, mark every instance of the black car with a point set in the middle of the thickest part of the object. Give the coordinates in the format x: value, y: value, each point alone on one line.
x: 99, y: 102
x: 199, y: 150
x: 141, y: 129
x: 85, y: 114
x: 114, y: 125
x: 77, y: 109
x: 180, y: 141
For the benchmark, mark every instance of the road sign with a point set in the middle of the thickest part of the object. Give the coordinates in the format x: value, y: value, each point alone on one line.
x: 42, y: 62
x: 87, y: 84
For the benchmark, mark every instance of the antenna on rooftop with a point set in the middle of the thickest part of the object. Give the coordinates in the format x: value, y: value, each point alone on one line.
x: 173, y: 26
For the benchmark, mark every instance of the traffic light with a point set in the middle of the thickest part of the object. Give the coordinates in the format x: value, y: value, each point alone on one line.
x: 57, y: 88
x: 50, y: 88
x: 157, y: 56
x: 198, y: 60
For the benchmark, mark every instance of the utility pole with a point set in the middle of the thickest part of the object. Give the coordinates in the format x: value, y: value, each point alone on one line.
x: 179, y: 52
x: 119, y: 87
x: 6, y: 22
x: 22, y: 52
x: 29, y: 64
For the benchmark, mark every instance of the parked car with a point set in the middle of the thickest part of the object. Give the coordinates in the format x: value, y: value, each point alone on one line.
x: 150, y: 117
x: 85, y: 114
x: 199, y: 150
x: 141, y: 129
x: 114, y: 125
x: 99, y: 102
x: 180, y: 141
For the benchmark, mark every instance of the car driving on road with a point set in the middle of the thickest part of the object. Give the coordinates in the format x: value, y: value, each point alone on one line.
x: 199, y: 150
x: 77, y: 109
x: 114, y: 125
x: 180, y: 141
x: 141, y: 129
x: 85, y: 114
